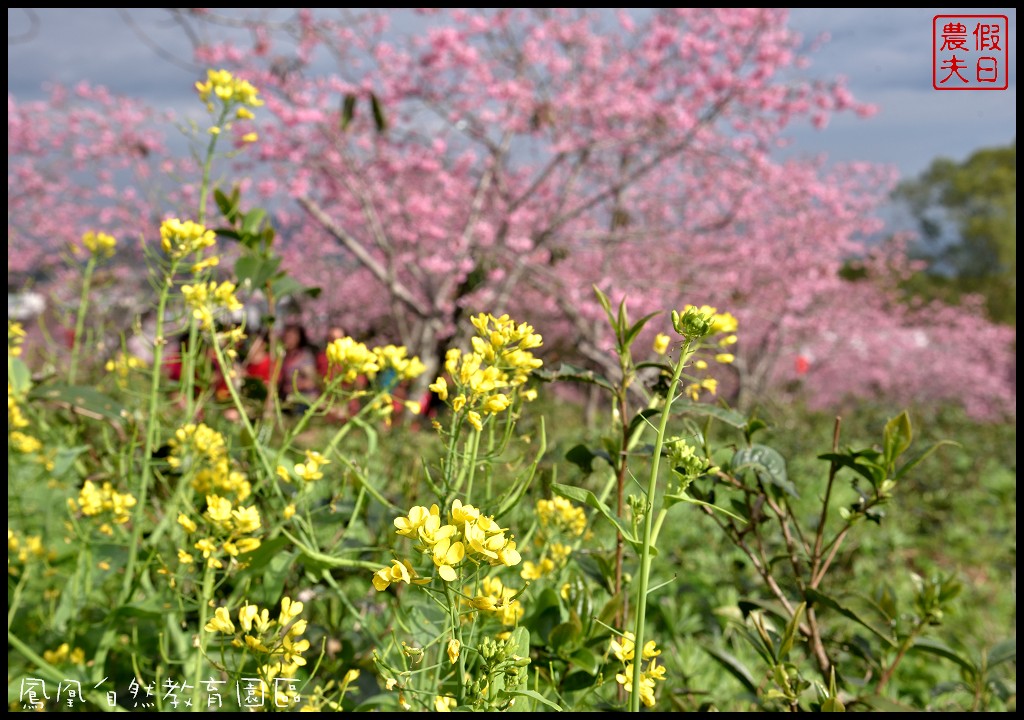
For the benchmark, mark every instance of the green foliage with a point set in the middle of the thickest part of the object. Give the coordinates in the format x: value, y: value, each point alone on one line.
x: 978, y: 198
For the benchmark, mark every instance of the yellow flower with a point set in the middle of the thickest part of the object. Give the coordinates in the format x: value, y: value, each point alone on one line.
x: 725, y: 358
x: 186, y: 522
x: 289, y: 610
x: 495, y: 403
x: 440, y: 387
x: 221, y: 622
x: 454, y: 646
x: 250, y: 137
x: 446, y: 555
x: 473, y: 418
x: 179, y: 239
x: 246, y: 615
x: 661, y: 341
x: 99, y: 244
x: 444, y: 703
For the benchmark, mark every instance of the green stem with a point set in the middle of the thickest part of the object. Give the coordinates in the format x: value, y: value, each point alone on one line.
x: 474, y: 449
x: 152, y: 435
x: 244, y: 416
x: 83, y: 304
x: 645, y: 554
x: 204, y: 640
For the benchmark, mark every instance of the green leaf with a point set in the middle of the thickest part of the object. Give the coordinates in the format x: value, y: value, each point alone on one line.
x: 149, y: 608
x: 753, y: 425
x: 792, y: 629
x: 255, y: 269
x: 898, y: 436
x: 937, y: 647
x: 578, y: 680
x: 733, y: 666
x: 769, y: 465
x: 576, y: 374
x: 583, y: 457
x: 533, y: 696
x: 672, y: 499
x: 637, y: 327
x: 1005, y: 651
x: 18, y: 375
x: 729, y: 417
x: 586, y: 659
x: 911, y: 463
x: 871, y: 472
x: 588, y: 498
x: 815, y: 597
x: 566, y: 635
x: 605, y: 303
x: 79, y: 397
x: 348, y: 110
x: 227, y: 204
x: 252, y: 220
x: 285, y: 285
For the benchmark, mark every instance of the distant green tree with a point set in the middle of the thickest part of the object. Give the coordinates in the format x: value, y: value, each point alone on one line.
x: 967, y: 213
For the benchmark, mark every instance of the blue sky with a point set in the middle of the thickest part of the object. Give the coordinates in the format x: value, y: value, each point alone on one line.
x: 885, y: 54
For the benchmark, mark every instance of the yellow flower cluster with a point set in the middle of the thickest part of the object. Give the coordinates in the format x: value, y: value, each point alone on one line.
x: 309, y: 470
x: 203, y: 449
x: 500, y: 363
x: 180, y: 239
x: 557, y: 516
x: 468, y: 535
x: 350, y: 359
x: 496, y: 599
x: 694, y: 389
x: 395, y: 357
x: 122, y: 365
x: 229, y: 90
x: 93, y: 501
x: 31, y: 546
x: 229, y: 526
x: 15, y: 338
x: 64, y: 654
x: 15, y: 418
x: 203, y: 297
x: 278, y: 645
x: 625, y: 651
x: 24, y: 443
x: 559, y: 513
x: 99, y: 244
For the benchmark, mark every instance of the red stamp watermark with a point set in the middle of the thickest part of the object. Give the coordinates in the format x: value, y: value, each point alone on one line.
x: 970, y: 52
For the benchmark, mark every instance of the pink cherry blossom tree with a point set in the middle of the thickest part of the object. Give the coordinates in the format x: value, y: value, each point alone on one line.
x: 426, y: 165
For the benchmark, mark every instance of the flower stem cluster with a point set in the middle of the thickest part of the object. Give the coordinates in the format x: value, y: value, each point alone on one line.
x: 277, y: 645
x: 482, y: 380
x: 99, y: 245
x: 202, y: 450
x: 104, y: 500
x: 625, y: 651
x: 558, y: 518
x: 180, y: 239
x: 468, y: 536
